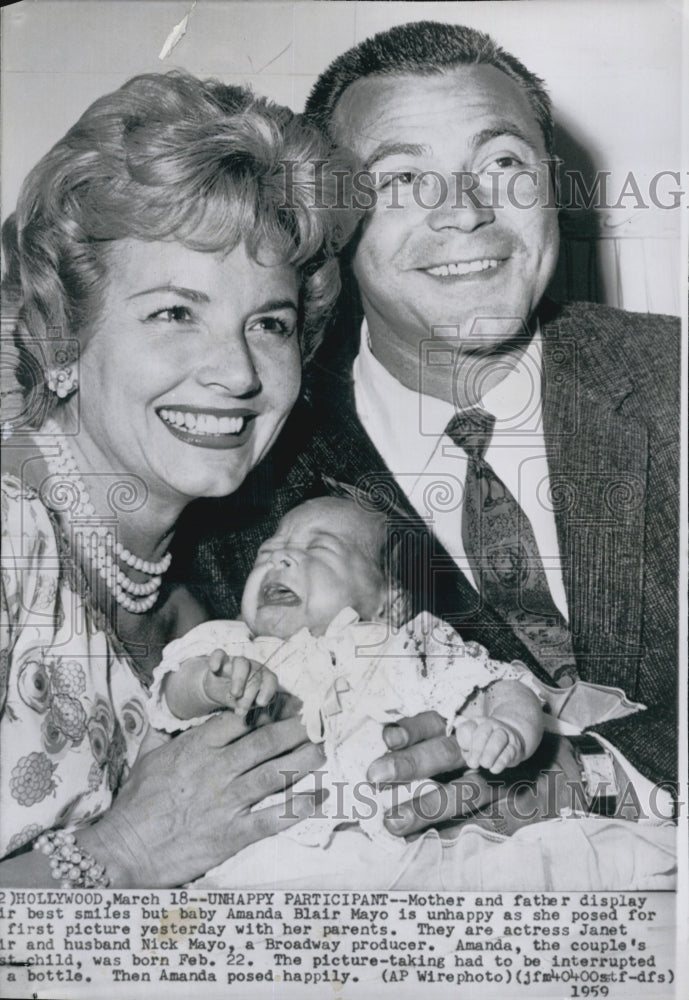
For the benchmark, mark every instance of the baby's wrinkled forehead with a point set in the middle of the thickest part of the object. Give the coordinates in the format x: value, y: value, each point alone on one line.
x: 337, y: 517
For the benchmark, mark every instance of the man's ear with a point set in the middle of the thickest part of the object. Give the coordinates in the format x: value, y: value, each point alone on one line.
x: 396, y: 607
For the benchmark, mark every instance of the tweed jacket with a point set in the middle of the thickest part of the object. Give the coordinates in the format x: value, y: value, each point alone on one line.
x: 611, y: 425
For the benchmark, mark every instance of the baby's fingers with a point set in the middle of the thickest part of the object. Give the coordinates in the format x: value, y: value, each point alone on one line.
x: 511, y: 754
x: 464, y: 733
x: 240, y: 671
x: 252, y: 689
x: 484, y: 748
x: 217, y: 661
x: 509, y: 757
x: 268, y: 688
x: 219, y: 690
x: 497, y: 742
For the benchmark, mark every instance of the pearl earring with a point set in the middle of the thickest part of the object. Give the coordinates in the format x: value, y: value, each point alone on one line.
x: 62, y: 381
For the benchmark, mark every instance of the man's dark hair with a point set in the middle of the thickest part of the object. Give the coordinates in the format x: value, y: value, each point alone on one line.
x: 423, y: 48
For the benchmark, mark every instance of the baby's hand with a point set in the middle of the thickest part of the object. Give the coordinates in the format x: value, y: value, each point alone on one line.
x: 237, y: 682
x: 489, y: 742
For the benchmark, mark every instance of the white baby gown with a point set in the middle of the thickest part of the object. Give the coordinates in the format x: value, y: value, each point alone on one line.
x: 353, y: 680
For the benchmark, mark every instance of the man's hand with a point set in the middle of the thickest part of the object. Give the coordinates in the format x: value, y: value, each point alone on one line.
x: 420, y: 749
x: 539, y: 789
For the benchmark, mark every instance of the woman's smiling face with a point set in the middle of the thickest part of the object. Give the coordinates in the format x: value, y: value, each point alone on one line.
x: 191, y: 368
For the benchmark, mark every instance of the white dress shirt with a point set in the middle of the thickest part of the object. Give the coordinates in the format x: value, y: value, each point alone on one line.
x: 408, y: 428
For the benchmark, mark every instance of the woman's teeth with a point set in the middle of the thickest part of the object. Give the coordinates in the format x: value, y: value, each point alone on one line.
x: 462, y: 267
x: 203, y: 423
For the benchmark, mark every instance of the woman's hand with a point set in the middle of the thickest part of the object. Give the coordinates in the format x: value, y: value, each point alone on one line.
x: 186, y: 806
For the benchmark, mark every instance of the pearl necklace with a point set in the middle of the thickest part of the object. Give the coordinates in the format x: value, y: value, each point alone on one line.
x: 101, y: 549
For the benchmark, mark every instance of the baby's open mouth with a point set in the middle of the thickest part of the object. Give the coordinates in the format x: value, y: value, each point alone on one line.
x: 278, y: 593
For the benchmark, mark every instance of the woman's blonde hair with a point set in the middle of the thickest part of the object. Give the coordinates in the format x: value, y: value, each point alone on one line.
x: 171, y: 157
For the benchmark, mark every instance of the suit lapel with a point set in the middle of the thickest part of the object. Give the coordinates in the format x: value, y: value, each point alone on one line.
x: 597, y: 459
x: 342, y: 449
x: 597, y: 463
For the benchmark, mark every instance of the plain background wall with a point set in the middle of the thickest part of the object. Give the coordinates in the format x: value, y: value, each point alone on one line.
x: 613, y: 70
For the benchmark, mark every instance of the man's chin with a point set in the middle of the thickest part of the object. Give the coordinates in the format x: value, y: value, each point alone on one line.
x: 480, y: 334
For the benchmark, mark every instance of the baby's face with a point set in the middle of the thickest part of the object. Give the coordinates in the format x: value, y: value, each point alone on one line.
x: 324, y: 557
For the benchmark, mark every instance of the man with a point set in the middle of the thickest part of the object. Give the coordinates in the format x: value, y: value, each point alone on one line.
x: 580, y: 443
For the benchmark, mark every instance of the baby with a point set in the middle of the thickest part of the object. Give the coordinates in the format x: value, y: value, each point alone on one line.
x: 322, y: 576
x: 325, y: 617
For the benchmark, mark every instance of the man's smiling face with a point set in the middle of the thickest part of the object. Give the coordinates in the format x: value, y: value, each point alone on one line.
x: 478, y: 255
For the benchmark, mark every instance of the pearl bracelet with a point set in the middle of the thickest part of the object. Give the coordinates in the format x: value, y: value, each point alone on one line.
x: 72, y: 867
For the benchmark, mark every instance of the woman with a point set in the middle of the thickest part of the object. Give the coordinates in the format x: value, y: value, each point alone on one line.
x: 171, y: 288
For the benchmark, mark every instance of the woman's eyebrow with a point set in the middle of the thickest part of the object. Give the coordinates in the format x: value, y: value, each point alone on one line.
x: 192, y: 295
x: 272, y: 305
x: 186, y: 293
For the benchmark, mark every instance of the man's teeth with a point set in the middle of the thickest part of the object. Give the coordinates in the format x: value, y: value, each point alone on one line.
x: 203, y: 423
x: 462, y: 267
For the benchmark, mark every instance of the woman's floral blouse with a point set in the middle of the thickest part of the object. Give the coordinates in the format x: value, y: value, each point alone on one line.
x: 72, y: 716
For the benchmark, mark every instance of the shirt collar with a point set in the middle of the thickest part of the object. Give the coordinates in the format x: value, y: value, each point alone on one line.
x: 395, y: 416
x: 399, y: 412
